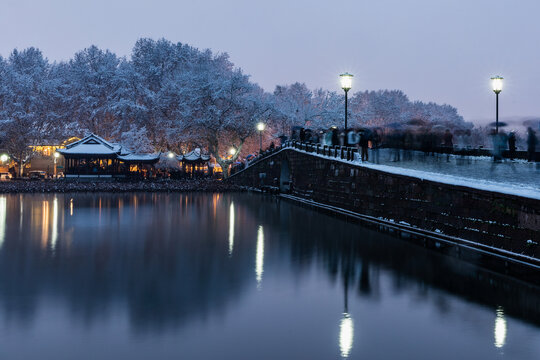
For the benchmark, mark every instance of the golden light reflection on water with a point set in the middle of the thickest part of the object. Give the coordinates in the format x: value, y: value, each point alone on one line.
x: 54, y: 225
x: 500, y: 328
x: 231, y: 229
x: 346, y: 335
x: 44, y: 223
x: 3, y: 215
x: 259, y: 256
x: 215, y: 200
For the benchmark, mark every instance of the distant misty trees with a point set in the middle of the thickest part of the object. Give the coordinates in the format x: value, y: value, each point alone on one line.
x: 169, y: 96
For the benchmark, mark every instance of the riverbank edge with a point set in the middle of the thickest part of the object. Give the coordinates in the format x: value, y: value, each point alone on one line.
x: 62, y: 186
x: 518, y: 266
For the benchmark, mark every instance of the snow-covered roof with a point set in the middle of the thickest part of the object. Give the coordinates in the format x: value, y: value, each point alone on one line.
x: 194, y: 155
x: 140, y: 157
x: 91, y: 145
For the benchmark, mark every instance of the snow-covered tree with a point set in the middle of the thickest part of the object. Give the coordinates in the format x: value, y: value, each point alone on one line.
x: 27, y: 97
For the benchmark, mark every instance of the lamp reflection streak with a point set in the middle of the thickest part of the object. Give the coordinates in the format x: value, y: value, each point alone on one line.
x: 3, y: 215
x: 259, y: 256
x: 54, y: 226
x: 500, y: 328
x: 44, y: 224
x: 346, y: 335
x: 231, y: 228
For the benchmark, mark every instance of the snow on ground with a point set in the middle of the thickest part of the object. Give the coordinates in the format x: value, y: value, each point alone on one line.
x: 511, y: 177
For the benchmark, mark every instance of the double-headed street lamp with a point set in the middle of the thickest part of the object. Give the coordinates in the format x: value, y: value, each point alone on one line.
x: 496, y: 85
x: 260, y: 128
x: 346, y: 85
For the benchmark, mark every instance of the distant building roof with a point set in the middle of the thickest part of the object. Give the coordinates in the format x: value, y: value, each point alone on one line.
x: 140, y: 158
x: 194, y: 156
x: 91, y: 145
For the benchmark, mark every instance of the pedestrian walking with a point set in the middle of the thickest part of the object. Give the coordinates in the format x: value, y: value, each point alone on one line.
x: 335, y: 137
x: 364, y: 143
x: 531, y: 144
x: 512, y: 145
x: 375, y: 144
x: 448, y: 143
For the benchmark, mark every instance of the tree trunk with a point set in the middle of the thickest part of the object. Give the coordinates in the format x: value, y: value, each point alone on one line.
x: 20, y: 163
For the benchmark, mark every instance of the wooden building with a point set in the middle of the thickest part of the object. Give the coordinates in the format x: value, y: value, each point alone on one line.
x: 95, y: 157
x: 194, y: 163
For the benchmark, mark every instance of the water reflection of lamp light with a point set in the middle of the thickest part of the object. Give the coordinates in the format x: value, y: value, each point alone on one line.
x: 346, y: 326
x: 54, y: 235
x: 259, y: 256
x: 44, y: 224
x: 3, y: 214
x: 231, y: 228
x: 500, y: 328
x: 346, y: 335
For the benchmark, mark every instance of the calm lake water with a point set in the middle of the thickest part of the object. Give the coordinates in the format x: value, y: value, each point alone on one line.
x: 239, y: 276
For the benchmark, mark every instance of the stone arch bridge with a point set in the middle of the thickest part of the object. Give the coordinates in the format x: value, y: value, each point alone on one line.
x: 329, y: 178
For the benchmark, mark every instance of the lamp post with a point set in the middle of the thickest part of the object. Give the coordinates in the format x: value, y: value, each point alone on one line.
x: 496, y: 85
x: 56, y: 156
x: 346, y: 84
x: 4, y: 158
x: 260, y: 128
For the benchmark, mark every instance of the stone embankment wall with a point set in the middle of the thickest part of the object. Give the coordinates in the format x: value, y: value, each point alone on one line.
x: 498, y: 220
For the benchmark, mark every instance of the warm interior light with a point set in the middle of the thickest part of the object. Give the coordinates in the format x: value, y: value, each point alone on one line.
x: 497, y: 84
x: 260, y: 126
x: 346, y: 81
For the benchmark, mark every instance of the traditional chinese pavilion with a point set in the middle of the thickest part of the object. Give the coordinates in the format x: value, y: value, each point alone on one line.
x: 94, y: 156
x: 194, y: 163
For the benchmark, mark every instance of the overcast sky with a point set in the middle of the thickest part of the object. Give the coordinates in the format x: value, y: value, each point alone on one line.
x: 434, y: 50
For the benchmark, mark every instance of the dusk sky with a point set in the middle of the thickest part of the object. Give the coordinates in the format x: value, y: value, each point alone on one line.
x: 443, y: 51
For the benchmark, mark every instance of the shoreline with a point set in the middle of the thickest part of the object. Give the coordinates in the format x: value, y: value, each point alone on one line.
x: 63, y: 186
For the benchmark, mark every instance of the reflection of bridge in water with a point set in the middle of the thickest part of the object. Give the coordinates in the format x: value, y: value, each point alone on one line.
x: 461, y: 215
x: 92, y: 253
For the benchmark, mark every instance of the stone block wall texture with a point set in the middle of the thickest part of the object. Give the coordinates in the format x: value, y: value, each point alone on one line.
x: 493, y: 219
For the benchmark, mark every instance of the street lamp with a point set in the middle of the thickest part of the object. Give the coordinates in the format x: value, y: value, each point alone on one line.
x: 4, y: 158
x: 170, y: 154
x: 346, y: 85
x: 232, y: 151
x: 496, y: 85
x: 260, y: 127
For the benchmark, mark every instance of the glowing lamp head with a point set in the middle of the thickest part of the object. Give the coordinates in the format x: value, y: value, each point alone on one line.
x: 170, y: 155
x: 346, y: 81
x: 4, y: 158
x: 56, y: 154
x: 497, y: 84
x: 261, y: 126
x: 232, y: 151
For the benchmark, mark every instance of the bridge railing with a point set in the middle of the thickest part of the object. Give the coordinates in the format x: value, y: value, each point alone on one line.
x: 338, y: 152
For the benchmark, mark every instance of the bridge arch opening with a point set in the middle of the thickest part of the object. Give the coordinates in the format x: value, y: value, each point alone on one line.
x: 285, y: 176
